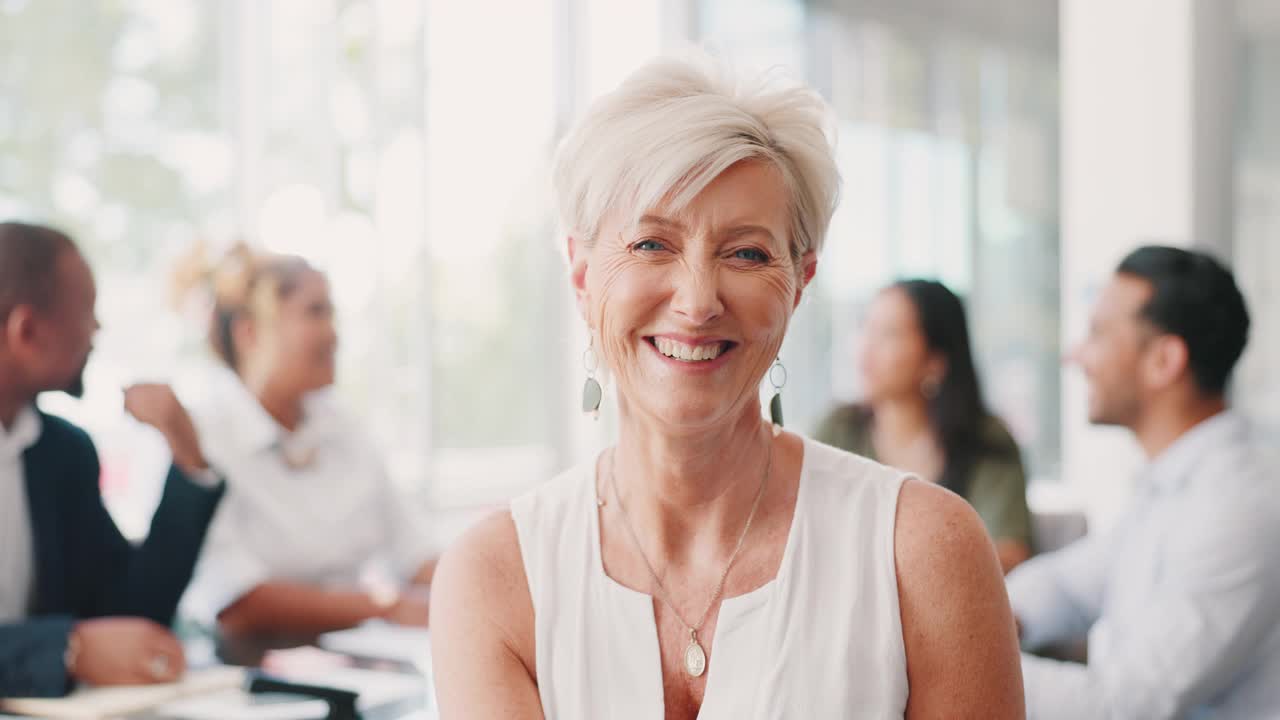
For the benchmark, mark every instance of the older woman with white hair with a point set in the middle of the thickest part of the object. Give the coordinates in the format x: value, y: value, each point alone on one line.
x: 710, y: 565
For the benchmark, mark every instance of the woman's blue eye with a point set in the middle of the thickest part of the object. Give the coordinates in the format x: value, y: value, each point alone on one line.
x: 751, y: 254
x: 647, y: 245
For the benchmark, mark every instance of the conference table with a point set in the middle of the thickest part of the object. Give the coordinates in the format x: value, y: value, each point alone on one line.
x: 265, y: 653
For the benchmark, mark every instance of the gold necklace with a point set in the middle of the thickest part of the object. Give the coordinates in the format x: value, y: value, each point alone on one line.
x: 695, y: 658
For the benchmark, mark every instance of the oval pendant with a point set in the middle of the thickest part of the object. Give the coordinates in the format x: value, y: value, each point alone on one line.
x: 695, y: 660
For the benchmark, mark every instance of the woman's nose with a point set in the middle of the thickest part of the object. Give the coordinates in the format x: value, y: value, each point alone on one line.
x: 696, y: 294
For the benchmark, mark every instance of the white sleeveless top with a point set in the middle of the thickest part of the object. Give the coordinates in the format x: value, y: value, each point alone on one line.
x: 823, y: 639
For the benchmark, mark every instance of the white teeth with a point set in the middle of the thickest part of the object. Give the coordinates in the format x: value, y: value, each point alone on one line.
x: 688, y: 353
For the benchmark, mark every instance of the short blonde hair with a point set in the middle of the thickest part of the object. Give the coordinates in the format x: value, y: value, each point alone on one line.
x: 676, y: 124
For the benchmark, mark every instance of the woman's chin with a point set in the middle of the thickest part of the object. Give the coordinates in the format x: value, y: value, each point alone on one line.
x: 320, y: 381
x: 683, y: 415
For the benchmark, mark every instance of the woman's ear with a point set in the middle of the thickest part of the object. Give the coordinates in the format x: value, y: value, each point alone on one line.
x: 578, y: 256
x: 808, y: 268
x: 935, y: 369
x: 244, y: 336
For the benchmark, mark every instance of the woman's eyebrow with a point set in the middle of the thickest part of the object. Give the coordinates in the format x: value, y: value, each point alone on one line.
x: 737, y: 231
x: 660, y: 221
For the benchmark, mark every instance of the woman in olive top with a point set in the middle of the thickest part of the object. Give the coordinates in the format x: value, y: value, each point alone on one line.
x: 923, y: 410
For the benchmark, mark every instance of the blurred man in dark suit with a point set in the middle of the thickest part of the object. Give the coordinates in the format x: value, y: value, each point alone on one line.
x: 78, y: 602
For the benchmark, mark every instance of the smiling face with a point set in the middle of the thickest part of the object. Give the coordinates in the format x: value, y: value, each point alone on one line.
x: 295, y: 343
x: 1116, y: 350
x: 690, y: 308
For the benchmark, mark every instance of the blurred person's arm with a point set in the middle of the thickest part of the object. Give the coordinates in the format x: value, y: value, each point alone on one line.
x: 998, y: 491
x: 156, y: 405
x: 426, y: 572
x: 235, y: 589
x: 296, y: 609
x: 32, y: 655
x: 43, y: 657
x: 106, y: 575
x: 101, y: 573
x: 1219, y: 598
x: 159, y: 569
x: 482, y: 633
x: 1057, y: 596
x: 958, y: 632
x: 146, y: 581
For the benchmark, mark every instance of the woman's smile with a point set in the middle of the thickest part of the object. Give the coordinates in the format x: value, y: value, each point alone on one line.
x: 691, y: 354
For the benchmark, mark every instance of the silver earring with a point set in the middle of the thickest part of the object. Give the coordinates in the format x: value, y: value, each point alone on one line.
x: 591, y: 391
x: 778, y: 379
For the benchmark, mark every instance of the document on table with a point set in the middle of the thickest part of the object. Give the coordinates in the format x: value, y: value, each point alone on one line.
x: 382, y: 641
x: 374, y: 689
x: 110, y: 702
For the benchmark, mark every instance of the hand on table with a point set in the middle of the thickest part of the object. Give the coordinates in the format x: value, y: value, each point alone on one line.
x: 124, y: 651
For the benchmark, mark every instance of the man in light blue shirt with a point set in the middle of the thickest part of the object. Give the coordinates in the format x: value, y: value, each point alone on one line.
x: 1181, y: 601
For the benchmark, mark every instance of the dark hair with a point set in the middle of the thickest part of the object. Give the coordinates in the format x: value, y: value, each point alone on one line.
x: 1196, y: 298
x: 28, y: 265
x: 956, y: 412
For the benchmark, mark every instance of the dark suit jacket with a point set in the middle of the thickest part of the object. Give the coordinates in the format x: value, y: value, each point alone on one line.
x: 84, y: 567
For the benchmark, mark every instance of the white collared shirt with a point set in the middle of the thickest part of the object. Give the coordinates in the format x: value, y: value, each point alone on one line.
x: 16, y: 547
x: 329, y: 522
x: 1181, y: 601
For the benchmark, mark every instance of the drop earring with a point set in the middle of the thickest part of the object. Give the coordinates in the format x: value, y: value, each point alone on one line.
x: 778, y: 379
x: 591, y: 390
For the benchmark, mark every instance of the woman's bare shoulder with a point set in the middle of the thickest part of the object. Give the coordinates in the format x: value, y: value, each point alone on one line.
x: 933, y: 521
x: 958, y: 630
x: 482, y: 626
x: 481, y: 582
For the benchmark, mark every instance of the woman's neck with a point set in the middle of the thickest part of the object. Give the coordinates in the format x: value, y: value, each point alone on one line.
x: 681, y: 489
x: 903, y: 437
x: 900, y: 421
x: 282, y: 405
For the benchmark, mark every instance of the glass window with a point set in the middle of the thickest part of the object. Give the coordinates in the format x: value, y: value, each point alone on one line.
x: 401, y: 145
x: 116, y: 134
x: 948, y: 148
x: 1257, y: 217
